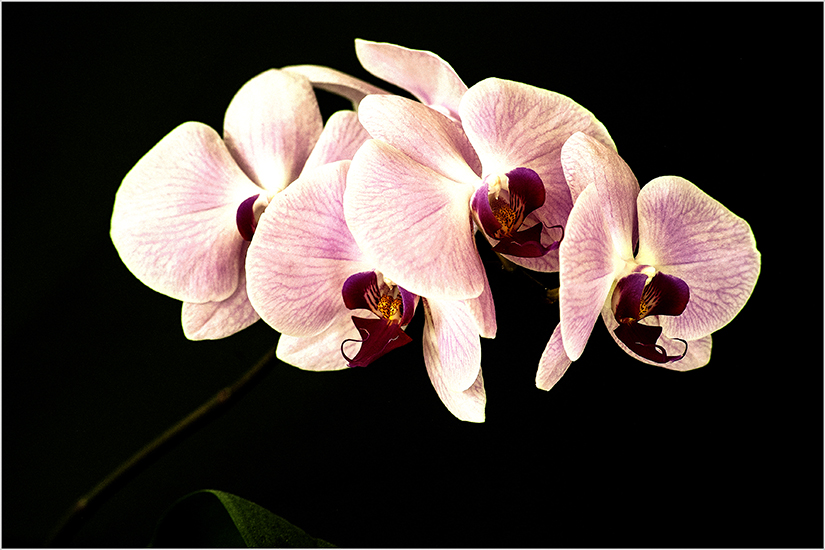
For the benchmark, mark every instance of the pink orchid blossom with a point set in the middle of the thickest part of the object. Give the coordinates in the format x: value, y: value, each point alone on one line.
x: 184, y: 214
x: 695, y: 265
x: 309, y: 280
x: 417, y: 193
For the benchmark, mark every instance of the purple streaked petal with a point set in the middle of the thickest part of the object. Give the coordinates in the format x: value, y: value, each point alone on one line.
x: 271, y: 126
x: 214, y: 320
x: 341, y: 138
x: 553, y: 363
x: 335, y: 82
x: 587, y: 161
x: 456, y: 339
x: 698, y: 351
x: 481, y: 206
x: 302, y: 253
x: 424, y: 74
x: 589, y: 266
x: 173, y: 222
x: 627, y: 296
x: 525, y: 244
x: 525, y: 187
x: 321, y: 352
x: 423, y: 134
x: 378, y: 337
x: 408, y: 301
x: 413, y: 224
x: 643, y: 340
x: 687, y: 234
x: 360, y: 291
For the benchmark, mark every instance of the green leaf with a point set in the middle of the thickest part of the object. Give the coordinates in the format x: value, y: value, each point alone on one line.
x: 215, y: 519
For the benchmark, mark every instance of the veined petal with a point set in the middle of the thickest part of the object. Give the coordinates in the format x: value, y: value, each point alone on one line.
x: 271, y: 126
x: 587, y: 161
x: 413, y: 224
x: 588, y: 269
x: 321, y: 352
x: 553, y: 363
x: 687, y: 234
x: 335, y: 82
x: 173, y: 222
x: 698, y: 351
x: 424, y: 74
x: 483, y: 311
x: 213, y: 320
x: 341, y: 138
x: 422, y: 134
x: 457, y: 341
x: 302, y: 253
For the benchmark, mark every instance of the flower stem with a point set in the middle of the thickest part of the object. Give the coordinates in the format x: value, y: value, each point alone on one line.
x: 85, y: 505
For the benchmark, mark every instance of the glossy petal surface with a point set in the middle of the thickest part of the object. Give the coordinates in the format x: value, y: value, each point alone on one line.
x: 341, y: 138
x: 335, y: 82
x: 271, y: 126
x: 173, y: 222
x: 687, y: 234
x: 302, y: 254
x: 424, y: 74
x: 458, y: 342
x: 213, y: 320
x: 412, y: 223
x: 553, y: 363
x: 321, y: 352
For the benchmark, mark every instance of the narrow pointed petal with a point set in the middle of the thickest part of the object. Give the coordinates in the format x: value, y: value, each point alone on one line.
x: 687, y: 234
x: 335, y: 82
x: 341, y: 138
x: 302, y: 253
x: 424, y: 74
x: 321, y: 352
x: 214, y: 320
x: 588, y: 268
x: 587, y: 161
x: 422, y: 134
x: 173, y: 222
x: 457, y: 340
x: 698, y: 351
x: 553, y: 363
x: 412, y: 223
x: 467, y: 405
x: 271, y: 126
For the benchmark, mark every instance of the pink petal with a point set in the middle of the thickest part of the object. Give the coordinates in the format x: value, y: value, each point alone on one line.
x: 321, y: 352
x: 685, y: 233
x: 483, y: 311
x: 553, y: 363
x: 271, y: 126
x: 302, y: 253
x: 341, y: 138
x: 588, y: 269
x: 424, y: 74
x: 422, y: 134
x: 335, y: 82
x: 456, y: 340
x: 413, y: 224
x: 698, y: 351
x: 173, y: 222
x: 587, y: 161
x: 213, y: 320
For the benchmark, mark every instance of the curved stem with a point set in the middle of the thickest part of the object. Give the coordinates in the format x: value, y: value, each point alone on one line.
x: 86, y: 504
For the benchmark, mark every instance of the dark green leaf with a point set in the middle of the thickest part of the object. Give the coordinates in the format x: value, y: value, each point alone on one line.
x: 215, y: 519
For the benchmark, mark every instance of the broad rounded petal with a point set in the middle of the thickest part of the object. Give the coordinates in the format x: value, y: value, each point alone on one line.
x: 483, y: 311
x: 698, y: 351
x: 553, y: 363
x: 321, y: 352
x: 302, y: 253
x: 173, y: 222
x: 467, y: 405
x: 213, y: 320
x: 413, y: 224
x: 341, y: 138
x: 422, y: 134
x: 271, y: 126
x: 587, y: 161
x: 424, y: 74
x: 457, y: 341
x: 685, y: 233
x: 588, y: 268
x: 335, y: 82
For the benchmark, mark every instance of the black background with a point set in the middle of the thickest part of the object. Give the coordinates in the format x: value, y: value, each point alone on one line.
x: 619, y: 453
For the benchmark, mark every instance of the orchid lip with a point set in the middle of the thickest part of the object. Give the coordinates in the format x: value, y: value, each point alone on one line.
x: 249, y: 212
x: 393, y: 305
x: 502, y: 204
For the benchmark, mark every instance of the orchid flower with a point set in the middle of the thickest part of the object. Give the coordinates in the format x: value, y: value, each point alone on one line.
x: 665, y: 266
x: 184, y: 214
x: 417, y: 193
x: 335, y: 309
